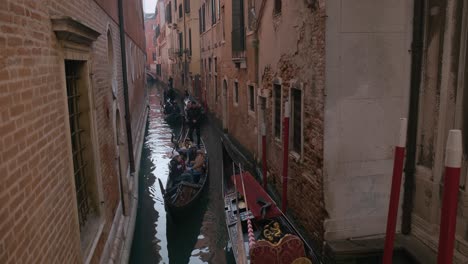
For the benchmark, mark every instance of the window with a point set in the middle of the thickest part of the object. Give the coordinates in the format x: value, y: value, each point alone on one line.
x: 277, y: 110
x: 209, y: 65
x: 175, y: 4
x: 154, y: 56
x: 200, y: 19
x: 216, y: 88
x: 190, y: 41
x: 251, y: 98
x: 236, y: 92
x: 296, y: 117
x: 80, y: 136
x: 216, y: 64
x: 238, y: 34
x: 181, y: 14
x: 169, y: 13
x: 277, y: 8
x: 187, y: 6
x: 181, y: 46
x: 224, y: 32
x: 203, y: 18
x: 213, y: 12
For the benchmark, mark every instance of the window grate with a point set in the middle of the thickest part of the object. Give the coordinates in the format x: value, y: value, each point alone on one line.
x: 78, y: 147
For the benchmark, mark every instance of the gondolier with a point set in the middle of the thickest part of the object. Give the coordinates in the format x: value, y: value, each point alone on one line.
x: 193, y: 120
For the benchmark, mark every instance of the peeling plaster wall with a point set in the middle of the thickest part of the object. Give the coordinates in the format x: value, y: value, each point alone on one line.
x: 292, y: 51
x: 367, y: 91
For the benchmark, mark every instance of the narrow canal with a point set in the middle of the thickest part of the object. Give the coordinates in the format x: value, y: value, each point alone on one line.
x: 199, y: 238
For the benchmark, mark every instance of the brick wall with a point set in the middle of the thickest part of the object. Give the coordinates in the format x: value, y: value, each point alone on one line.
x: 150, y: 45
x: 291, y: 48
x: 299, y: 58
x: 38, y: 217
x: 241, y: 124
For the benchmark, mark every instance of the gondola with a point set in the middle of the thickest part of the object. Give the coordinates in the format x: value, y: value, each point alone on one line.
x: 183, y: 190
x: 259, y: 232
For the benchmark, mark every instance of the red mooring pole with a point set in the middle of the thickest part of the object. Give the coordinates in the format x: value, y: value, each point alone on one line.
x: 395, y: 193
x: 287, y: 110
x: 264, y: 158
x: 448, y: 218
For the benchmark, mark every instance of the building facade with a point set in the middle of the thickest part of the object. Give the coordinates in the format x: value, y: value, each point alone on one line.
x: 256, y: 55
x: 178, y: 43
x: 151, y: 32
x: 344, y: 71
x: 72, y: 128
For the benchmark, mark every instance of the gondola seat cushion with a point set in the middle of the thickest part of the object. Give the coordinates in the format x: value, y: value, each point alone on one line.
x: 288, y: 249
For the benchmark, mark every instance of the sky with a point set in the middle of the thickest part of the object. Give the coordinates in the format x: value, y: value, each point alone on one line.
x: 149, y: 5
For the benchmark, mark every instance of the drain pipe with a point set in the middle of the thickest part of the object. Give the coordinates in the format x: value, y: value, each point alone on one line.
x: 128, y: 125
x: 416, y: 65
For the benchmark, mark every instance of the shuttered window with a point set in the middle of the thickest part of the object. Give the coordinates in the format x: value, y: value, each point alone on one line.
x: 213, y: 12
x: 251, y: 98
x: 238, y: 31
x: 181, y: 46
x: 190, y: 41
x: 169, y: 13
x: 187, y: 6
x: 203, y: 18
x: 200, y: 20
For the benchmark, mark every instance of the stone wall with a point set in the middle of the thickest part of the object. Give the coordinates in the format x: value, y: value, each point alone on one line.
x: 367, y: 91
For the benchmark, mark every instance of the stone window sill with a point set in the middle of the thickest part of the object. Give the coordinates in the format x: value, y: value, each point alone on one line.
x: 90, y: 235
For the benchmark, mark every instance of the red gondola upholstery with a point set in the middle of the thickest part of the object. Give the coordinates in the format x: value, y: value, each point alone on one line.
x: 288, y: 249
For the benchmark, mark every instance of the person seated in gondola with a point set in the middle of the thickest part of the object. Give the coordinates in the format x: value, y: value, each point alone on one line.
x: 194, y: 169
x: 177, y: 164
x: 185, y: 148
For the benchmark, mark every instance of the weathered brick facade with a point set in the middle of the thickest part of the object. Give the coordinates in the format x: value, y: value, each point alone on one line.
x: 291, y: 52
x: 38, y: 216
x: 297, y: 60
